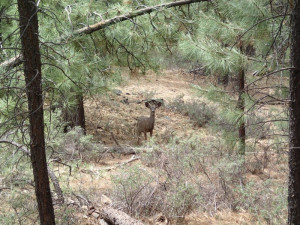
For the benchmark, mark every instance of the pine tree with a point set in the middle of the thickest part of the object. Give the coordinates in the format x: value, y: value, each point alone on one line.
x: 294, y: 154
x: 33, y: 77
x: 225, y: 40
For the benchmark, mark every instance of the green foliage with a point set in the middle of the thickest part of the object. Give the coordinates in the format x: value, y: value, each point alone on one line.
x: 198, y: 111
x: 22, y: 208
x: 217, y: 59
x: 264, y: 201
x: 9, y: 29
x: 131, y: 188
x: 65, y: 215
x: 282, y: 92
x: 142, y: 193
x: 17, y: 191
x: 257, y: 127
x: 187, y: 174
x: 74, y: 146
x: 215, y: 42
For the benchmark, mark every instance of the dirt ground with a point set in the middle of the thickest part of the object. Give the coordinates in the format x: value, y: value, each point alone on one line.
x: 114, y: 117
x: 117, y: 112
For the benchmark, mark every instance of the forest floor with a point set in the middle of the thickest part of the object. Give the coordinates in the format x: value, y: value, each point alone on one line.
x: 113, y: 116
x: 119, y: 110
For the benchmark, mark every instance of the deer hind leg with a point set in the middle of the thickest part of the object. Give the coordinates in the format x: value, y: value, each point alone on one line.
x: 145, y: 133
x: 138, y: 134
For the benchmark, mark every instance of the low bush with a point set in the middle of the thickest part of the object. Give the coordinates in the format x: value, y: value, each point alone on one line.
x: 75, y: 145
x: 185, y: 176
x: 197, y: 111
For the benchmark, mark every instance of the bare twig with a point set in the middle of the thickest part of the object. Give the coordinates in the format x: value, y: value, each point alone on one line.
x: 50, y: 172
x: 111, y: 133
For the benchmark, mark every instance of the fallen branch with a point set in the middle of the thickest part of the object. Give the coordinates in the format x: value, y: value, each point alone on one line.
x: 133, y: 158
x: 13, y: 62
x: 60, y: 196
x: 126, y: 150
x: 111, y: 133
x: 113, y: 216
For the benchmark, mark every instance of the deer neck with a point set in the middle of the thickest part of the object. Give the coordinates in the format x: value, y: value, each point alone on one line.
x: 152, y: 117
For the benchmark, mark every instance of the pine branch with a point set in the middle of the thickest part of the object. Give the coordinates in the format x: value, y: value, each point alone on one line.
x: 103, y: 24
x: 128, y: 16
x: 254, y: 25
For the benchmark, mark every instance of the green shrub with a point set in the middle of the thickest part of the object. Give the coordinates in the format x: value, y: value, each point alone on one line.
x: 197, y: 111
x: 141, y: 193
x: 257, y: 127
x: 188, y: 175
x: 75, y: 145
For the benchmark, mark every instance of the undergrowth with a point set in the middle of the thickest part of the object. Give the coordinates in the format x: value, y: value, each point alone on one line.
x: 187, y: 176
x: 75, y: 145
x: 196, y: 110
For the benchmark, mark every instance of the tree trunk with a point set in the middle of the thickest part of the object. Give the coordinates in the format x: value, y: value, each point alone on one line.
x: 2, y: 11
x: 1, y: 15
x: 241, y: 107
x: 74, y: 116
x: 294, y: 152
x: 33, y: 78
x: 80, y: 121
x: 223, y: 79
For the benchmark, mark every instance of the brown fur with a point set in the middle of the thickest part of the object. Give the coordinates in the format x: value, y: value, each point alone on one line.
x: 146, y: 124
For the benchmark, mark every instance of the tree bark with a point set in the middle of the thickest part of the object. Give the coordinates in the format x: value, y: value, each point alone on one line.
x: 116, y: 217
x: 223, y: 79
x: 1, y: 38
x: 241, y: 107
x: 33, y: 78
x: 74, y: 116
x: 294, y: 148
x: 80, y: 113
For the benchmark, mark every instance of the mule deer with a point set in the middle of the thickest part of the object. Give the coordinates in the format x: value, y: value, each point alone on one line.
x: 146, y: 124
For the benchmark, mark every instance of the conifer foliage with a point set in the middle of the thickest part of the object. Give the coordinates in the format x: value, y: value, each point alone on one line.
x: 230, y: 40
x: 81, y: 48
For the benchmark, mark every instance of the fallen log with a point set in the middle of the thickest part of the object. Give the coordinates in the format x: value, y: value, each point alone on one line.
x: 117, y: 217
x: 126, y: 150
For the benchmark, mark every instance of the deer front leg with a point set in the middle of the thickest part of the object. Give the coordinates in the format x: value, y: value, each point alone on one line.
x: 145, y: 135
x: 151, y: 133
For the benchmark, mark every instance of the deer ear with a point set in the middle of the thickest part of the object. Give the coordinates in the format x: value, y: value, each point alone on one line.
x: 147, y: 104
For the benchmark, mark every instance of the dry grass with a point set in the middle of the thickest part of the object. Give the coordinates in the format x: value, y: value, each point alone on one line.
x: 118, y: 118
x: 248, y: 204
